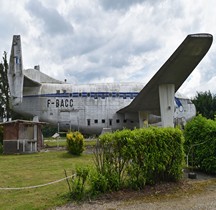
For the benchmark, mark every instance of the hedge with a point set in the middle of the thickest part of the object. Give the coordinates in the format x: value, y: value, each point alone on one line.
x: 132, y: 159
x: 200, y: 143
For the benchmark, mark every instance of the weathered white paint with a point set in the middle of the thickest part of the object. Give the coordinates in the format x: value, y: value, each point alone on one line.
x: 166, y: 94
x: 92, y: 107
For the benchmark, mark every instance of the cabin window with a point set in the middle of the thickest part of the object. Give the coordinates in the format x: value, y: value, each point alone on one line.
x: 117, y: 121
x: 64, y: 91
x: 84, y: 94
x: 95, y: 121
x: 103, y: 120
x: 58, y: 91
x: 95, y: 96
x: 125, y: 121
x: 110, y: 122
x: 75, y: 94
x: 88, y: 122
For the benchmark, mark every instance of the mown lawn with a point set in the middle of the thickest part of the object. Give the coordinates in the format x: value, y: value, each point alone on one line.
x: 36, y: 169
x: 61, y: 142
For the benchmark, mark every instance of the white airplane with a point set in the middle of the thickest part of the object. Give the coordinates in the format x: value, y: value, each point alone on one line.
x: 91, y: 108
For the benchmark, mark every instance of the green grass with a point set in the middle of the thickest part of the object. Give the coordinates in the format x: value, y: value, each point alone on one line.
x: 55, y: 143
x: 35, y: 169
x: 62, y: 142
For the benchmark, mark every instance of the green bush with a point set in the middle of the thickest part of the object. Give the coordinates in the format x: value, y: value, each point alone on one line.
x: 158, y: 156
x: 200, y: 143
x: 77, y: 183
x: 139, y: 157
x: 99, y: 183
x: 75, y: 143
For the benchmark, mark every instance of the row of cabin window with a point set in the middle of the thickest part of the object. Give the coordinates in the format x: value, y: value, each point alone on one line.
x: 102, y: 95
x: 104, y: 121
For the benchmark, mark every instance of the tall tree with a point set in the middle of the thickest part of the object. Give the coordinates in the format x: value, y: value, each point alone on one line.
x: 205, y: 103
x: 5, y: 110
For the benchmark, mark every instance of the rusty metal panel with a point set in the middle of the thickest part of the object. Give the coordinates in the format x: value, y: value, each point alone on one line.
x: 11, y: 131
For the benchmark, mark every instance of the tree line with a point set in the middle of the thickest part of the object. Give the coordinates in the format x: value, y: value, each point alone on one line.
x: 5, y: 110
x: 205, y: 103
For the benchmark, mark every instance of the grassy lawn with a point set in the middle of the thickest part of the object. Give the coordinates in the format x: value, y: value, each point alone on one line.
x: 61, y: 142
x: 55, y: 142
x: 35, y: 169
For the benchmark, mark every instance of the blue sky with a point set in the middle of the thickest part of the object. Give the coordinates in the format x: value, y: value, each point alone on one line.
x: 94, y: 41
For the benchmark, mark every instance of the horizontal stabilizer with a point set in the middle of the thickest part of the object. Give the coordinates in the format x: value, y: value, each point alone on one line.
x: 30, y: 83
x: 34, y: 77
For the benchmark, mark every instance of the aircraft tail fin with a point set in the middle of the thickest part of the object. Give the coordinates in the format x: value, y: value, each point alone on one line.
x: 15, y: 71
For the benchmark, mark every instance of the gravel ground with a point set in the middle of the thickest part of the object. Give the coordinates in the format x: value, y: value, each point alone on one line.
x: 190, y: 194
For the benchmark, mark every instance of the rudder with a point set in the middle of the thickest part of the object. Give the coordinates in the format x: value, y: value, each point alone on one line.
x: 15, y: 72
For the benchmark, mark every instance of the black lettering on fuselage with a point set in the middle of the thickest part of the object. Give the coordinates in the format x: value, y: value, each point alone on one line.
x: 71, y: 102
x: 48, y: 102
x: 60, y: 103
x: 57, y: 103
x: 66, y: 102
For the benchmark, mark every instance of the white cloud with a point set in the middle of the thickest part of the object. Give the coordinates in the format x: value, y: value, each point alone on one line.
x: 53, y: 23
x: 108, y: 40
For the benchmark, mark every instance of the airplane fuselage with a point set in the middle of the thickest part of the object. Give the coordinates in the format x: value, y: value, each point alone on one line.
x: 88, y: 108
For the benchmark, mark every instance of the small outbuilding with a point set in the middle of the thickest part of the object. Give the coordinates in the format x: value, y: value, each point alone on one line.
x: 22, y: 136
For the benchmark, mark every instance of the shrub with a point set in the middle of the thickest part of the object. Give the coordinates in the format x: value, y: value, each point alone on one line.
x: 112, y: 156
x: 158, y: 156
x: 75, y: 143
x: 77, y: 183
x: 99, y: 183
x: 139, y: 157
x: 131, y: 159
x: 200, y: 143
